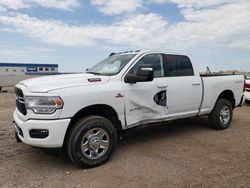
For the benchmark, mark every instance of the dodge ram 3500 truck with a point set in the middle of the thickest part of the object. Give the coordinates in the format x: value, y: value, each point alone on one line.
x: 85, y: 113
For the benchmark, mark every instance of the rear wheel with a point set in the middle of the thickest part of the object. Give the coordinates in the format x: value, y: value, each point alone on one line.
x: 91, y: 141
x: 221, y: 116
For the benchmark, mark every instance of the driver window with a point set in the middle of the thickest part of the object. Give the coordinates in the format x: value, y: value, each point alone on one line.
x: 156, y: 60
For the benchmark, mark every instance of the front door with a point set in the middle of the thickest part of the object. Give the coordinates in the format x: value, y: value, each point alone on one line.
x: 146, y: 102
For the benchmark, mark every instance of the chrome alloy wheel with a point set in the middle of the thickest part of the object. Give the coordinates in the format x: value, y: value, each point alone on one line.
x: 225, y: 115
x: 95, y: 143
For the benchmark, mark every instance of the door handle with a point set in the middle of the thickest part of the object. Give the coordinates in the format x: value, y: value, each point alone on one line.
x: 196, y: 83
x: 160, y: 86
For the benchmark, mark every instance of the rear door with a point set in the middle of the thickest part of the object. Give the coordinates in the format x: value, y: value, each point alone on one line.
x: 146, y: 101
x: 184, y: 87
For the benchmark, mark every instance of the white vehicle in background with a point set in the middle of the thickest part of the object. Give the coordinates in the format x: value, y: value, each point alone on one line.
x: 247, y: 90
x: 86, y: 113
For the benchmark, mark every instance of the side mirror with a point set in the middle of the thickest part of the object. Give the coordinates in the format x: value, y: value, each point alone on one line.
x: 145, y: 73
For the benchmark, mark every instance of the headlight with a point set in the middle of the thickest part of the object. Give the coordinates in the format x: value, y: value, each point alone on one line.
x: 43, y: 105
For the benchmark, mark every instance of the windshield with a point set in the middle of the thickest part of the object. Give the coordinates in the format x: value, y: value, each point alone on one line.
x: 112, y: 65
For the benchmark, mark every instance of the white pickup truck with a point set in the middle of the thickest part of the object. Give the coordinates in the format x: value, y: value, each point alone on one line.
x: 86, y: 113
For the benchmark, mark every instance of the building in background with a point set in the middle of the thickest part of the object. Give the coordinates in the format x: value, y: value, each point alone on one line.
x: 28, y: 69
x: 12, y: 73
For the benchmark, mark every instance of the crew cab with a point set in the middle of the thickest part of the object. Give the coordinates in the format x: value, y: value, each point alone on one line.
x: 85, y: 113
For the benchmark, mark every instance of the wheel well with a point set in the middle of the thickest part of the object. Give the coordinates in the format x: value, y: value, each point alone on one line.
x: 228, y: 94
x: 100, y: 110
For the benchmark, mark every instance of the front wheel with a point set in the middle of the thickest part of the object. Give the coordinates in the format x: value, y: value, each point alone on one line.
x: 221, y: 116
x: 91, y: 141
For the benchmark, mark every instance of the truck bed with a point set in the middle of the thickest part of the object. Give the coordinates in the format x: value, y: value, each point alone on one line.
x: 215, y: 84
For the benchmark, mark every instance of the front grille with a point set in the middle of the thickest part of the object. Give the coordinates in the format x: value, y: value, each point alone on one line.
x: 20, y: 104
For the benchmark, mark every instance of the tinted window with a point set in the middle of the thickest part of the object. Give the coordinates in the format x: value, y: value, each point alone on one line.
x: 178, y: 65
x: 156, y: 60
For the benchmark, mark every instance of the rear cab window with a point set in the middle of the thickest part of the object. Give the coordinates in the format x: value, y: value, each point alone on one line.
x: 178, y: 65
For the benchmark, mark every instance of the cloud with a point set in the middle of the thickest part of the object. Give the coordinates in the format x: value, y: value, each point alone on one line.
x: 57, y: 4
x: 194, y: 3
x: 24, y: 4
x: 114, y: 7
x: 13, y: 4
x: 22, y: 51
x: 224, y: 25
x: 127, y: 31
x: 49, y: 31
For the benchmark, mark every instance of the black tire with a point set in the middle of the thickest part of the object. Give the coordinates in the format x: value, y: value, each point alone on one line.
x: 77, y: 135
x: 215, y: 117
x: 247, y: 102
x: 0, y: 89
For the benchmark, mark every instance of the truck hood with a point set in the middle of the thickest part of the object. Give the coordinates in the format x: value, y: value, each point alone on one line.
x: 49, y: 83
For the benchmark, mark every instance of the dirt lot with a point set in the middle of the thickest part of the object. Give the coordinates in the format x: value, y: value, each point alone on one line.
x: 182, y: 154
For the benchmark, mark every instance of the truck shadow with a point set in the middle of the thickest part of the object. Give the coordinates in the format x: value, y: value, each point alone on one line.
x: 164, y: 130
x: 141, y: 135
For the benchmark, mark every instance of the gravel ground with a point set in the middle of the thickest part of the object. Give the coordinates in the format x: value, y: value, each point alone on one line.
x: 181, y: 154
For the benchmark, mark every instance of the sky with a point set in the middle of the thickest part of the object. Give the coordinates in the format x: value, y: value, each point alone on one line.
x: 76, y: 34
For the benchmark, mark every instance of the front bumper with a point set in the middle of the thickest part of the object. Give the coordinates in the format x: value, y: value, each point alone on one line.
x: 56, y: 128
